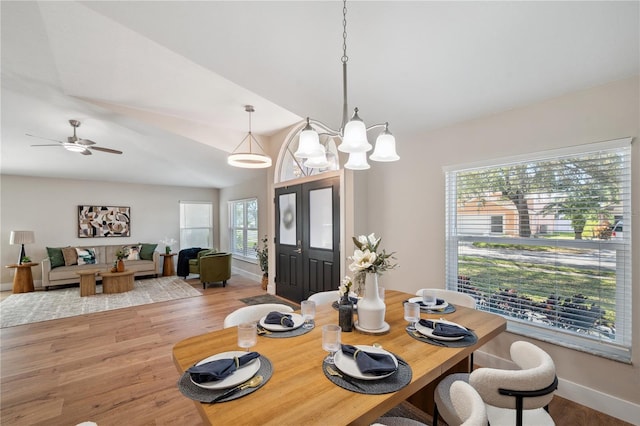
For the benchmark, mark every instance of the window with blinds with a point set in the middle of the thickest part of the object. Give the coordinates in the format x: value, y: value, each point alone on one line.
x: 196, y: 224
x: 243, y: 216
x: 545, y: 241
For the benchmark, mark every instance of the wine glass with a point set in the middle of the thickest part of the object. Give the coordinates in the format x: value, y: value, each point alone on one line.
x: 411, y: 314
x: 247, y: 335
x: 331, y: 340
x: 308, y: 309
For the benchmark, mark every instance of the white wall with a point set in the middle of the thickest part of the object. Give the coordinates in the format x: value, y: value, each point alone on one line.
x: 49, y: 208
x: 407, y: 209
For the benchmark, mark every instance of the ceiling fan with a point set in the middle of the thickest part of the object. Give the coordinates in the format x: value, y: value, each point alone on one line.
x: 75, y: 144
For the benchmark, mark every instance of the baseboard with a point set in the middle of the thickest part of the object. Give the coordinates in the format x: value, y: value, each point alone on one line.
x: 592, y: 398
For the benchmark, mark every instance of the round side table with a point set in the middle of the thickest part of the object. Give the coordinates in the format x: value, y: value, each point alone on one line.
x: 167, y: 265
x: 23, y: 279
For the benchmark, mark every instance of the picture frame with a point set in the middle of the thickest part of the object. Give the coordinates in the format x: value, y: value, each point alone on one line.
x: 104, y: 221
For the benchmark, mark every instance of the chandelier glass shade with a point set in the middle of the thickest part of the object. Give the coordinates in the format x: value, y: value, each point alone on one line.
x: 352, y: 133
x: 251, y: 159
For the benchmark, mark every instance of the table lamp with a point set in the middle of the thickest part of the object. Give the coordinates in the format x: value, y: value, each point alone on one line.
x: 22, y: 237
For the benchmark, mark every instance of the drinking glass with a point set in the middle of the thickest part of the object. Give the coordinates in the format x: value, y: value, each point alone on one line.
x: 247, y: 335
x: 411, y: 314
x: 331, y: 340
x: 308, y: 309
x: 428, y: 298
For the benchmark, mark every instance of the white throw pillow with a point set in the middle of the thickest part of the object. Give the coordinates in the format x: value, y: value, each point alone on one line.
x: 132, y: 252
x: 86, y: 256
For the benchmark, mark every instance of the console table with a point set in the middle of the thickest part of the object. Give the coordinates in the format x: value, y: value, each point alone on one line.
x: 23, y: 279
x: 116, y: 282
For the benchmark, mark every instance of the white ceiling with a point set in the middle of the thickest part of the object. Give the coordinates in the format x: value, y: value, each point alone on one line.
x: 166, y: 82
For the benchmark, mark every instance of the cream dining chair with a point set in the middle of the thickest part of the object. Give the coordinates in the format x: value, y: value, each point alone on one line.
x: 450, y: 296
x: 468, y: 405
x: 253, y: 313
x: 324, y: 297
x: 511, y: 397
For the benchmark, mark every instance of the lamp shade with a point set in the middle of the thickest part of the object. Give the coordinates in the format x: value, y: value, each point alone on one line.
x: 318, y: 161
x: 385, y: 148
x: 22, y: 237
x: 354, y: 138
x: 357, y: 161
x: 309, y: 143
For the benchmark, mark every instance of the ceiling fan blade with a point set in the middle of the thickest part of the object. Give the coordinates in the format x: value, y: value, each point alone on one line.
x: 85, y: 142
x: 109, y: 150
x: 85, y: 152
x: 46, y: 139
x: 50, y: 144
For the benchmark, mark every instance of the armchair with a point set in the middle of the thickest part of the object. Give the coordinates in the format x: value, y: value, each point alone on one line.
x: 194, y: 263
x: 215, y: 268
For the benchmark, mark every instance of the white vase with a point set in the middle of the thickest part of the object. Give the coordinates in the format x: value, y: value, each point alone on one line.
x: 371, y: 308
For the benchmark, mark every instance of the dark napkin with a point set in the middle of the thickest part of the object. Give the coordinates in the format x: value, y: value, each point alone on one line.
x: 439, y: 302
x: 220, y: 368
x: 445, y: 330
x: 370, y: 362
x: 279, y: 318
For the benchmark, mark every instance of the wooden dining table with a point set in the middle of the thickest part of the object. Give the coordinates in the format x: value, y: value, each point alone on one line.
x: 298, y: 391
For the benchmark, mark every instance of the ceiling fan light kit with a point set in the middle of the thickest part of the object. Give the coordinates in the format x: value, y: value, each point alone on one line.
x: 353, y: 132
x: 75, y: 144
x: 249, y: 159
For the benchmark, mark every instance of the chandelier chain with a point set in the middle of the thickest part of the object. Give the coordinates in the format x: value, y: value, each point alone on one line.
x: 344, y: 58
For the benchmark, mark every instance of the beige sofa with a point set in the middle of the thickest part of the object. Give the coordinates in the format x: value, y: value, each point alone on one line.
x: 105, y: 258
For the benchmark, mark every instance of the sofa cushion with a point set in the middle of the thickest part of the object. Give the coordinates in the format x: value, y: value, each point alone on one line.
x: 86, y: 256
x: 55, y: 256
x: 70, y: 256
x: 132, y: 252
x: 146, y: 251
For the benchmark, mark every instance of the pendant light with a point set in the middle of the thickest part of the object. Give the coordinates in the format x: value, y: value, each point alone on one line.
x: 249, y: 159
x: 353, y: 132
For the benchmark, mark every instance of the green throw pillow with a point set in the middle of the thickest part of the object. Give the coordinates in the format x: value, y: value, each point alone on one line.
x: 146, y: 252
x: 55, y: 256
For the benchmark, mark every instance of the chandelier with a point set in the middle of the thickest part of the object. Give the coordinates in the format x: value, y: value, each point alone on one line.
x: 249, y: 159
x: 352, y: 132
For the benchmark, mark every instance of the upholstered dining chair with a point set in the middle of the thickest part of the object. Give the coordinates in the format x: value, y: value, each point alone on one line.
x: 468, y: 404
x: 511, y: 397
x: 253, y: 313
x: 324, y: 297
x: 450, y: 296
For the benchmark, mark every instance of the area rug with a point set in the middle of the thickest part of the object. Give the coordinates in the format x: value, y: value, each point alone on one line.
x: 268, y: 298
x: 26, y: 308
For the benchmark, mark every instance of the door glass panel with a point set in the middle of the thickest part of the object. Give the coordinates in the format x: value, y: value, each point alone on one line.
x: 288, y: 219
x: 321, y: 219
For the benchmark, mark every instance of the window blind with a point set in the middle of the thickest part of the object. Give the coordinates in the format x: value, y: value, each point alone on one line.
x: 545, y: 241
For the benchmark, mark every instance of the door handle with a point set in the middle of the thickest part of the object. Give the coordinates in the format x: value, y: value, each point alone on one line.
x: 298, y: 250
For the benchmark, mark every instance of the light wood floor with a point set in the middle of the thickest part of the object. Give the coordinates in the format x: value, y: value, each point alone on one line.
x: 115, y: 367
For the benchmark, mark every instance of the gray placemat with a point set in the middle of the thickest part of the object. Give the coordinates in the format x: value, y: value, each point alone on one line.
x: 449, y: 309
x: 395, y: 382
x: 466, y: 341
x: 279, y: 334
x: 190, y: 390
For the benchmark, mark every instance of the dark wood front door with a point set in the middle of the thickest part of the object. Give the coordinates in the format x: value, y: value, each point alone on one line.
x: 307, y: 238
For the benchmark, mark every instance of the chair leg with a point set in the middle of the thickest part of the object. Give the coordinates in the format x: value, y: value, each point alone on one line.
x: 204, y: 285
x: 224, y: 283
x: 435, y: 415
x: 471, y: 362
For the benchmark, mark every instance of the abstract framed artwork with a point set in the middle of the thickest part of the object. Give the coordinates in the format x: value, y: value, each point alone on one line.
x: 104, y: 221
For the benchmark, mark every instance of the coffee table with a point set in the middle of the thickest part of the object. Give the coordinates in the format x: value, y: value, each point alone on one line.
x: 88, y: 282
x: 116, y: 282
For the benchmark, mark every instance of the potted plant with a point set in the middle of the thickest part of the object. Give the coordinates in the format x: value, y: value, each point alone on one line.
x: 263, y: 260
x: 120, y: 255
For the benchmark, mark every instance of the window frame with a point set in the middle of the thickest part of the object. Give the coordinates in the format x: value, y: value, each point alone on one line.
x: 620, y: 349
x: 249, y: 254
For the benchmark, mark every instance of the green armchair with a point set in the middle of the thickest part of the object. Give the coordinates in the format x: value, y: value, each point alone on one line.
x: 194, y: 264
x: 215, y: 268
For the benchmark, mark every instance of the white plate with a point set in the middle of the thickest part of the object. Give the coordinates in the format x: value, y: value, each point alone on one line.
x: 418, y: 300
x: 348, y: 366
x: 241, y: 375
x: 296, y: 318
x: 426, y: 331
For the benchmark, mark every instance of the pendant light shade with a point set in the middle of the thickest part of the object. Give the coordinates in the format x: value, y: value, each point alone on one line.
x: 251, y: 159
x: 385, y: 147
x: 309, y: 143
x: 355, y: 136
x: 357, y: 161
x: 318, y: 161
